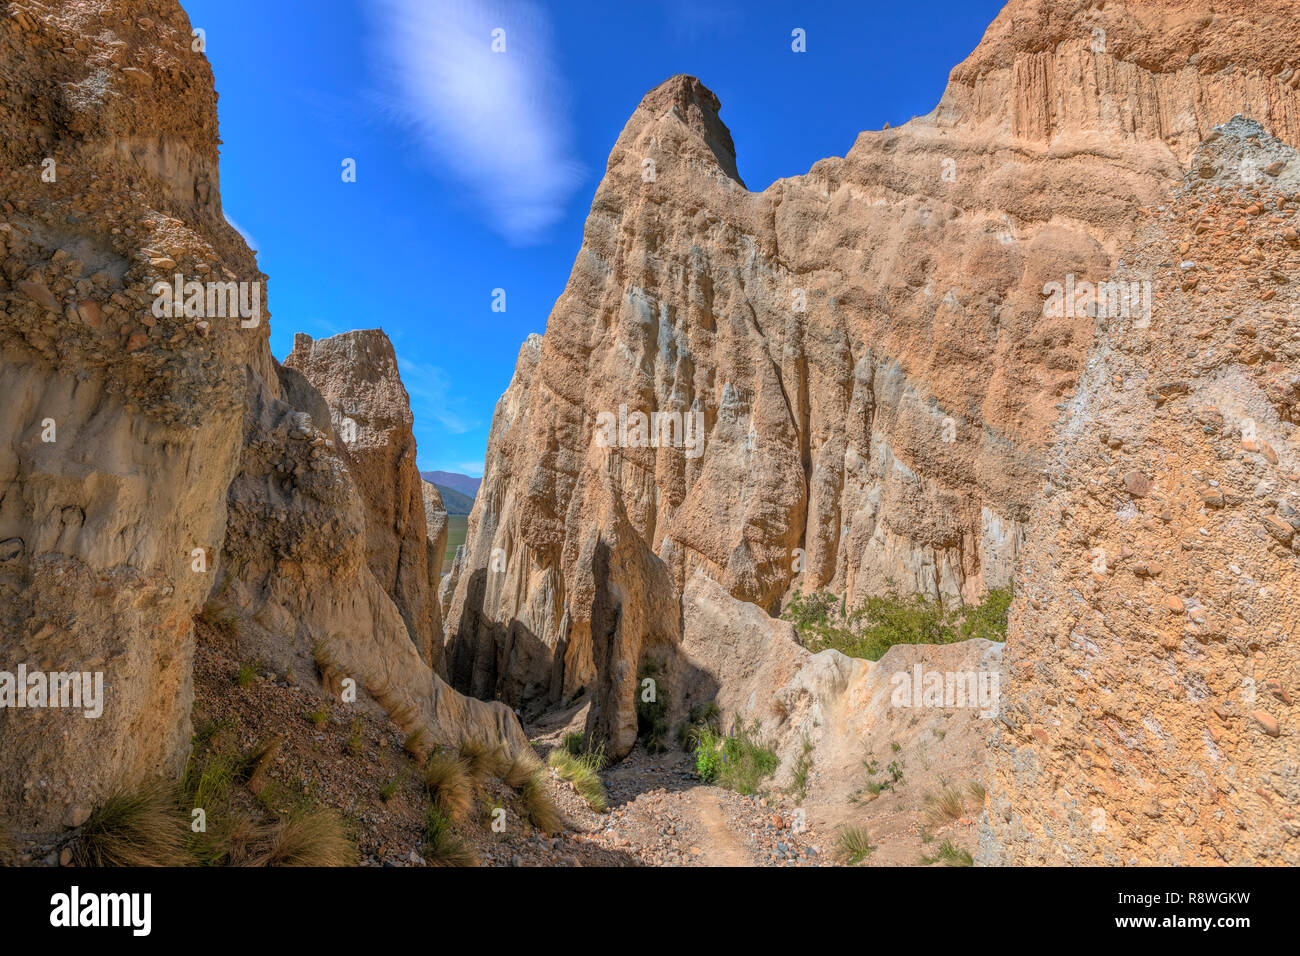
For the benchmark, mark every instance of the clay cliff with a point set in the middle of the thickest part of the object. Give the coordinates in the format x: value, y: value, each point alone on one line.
x: 157, y: 462
x: 853, y: 374
x: 1149, y: 697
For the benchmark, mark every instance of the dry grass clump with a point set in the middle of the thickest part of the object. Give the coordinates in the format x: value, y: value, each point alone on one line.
x: 142, y: 827
x: 483, y: 761
x: 310, y: 838
x: 449, y: 783
x: 944, y: 807
x: 853, y: 845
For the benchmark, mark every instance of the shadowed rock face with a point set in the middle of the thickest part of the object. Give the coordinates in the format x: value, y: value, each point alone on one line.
x: 866, y: 345
x: 152, y: 463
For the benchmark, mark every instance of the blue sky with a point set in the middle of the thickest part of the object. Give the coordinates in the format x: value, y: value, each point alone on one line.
x: 475, y: 169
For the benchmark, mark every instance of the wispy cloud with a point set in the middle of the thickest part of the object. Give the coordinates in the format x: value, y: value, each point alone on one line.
x: 252, y: 243
x: 432, y: 397
x: 497, y: 121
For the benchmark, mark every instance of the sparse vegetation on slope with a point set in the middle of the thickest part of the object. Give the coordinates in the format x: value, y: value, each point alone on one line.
x: 949, y: 854
x: 881, y: 621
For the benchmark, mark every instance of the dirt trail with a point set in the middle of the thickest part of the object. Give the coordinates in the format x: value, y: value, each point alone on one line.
x: 719, y: 845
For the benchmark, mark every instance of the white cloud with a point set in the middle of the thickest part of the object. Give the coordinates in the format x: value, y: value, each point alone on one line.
x: 431, y: 397
x: 497, y: 121
x: 252, y: 243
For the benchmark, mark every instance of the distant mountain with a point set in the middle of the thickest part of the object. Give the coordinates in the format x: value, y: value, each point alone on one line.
x: 462, y: 483
x: 455, y: 502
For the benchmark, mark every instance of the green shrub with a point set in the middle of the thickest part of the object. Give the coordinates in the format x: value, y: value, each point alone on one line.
x: 883, y: 620
x: 737, y: 762
x: 651, y: 715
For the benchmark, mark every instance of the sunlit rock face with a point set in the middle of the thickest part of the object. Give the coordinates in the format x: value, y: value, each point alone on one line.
x: 866, y: 345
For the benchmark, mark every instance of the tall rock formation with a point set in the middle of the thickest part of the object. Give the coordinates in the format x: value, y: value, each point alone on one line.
x: 1152, y: 670
x: 121, y: 428
x: 154, y: 458
x: 356, y: 372
x: 865, y: 348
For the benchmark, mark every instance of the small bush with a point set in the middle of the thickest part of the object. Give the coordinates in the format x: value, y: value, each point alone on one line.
x: 143, y: 827
x: 247, y: 673
x: 853, y: 845
x: 736, y: 762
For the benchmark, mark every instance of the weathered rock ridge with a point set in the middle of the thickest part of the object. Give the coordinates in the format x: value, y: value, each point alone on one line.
x: 866, y: 346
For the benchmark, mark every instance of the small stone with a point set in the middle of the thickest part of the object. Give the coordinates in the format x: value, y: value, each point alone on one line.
x: 1137, y: 484
x: 1175, y: 604
x: 1267, y: 722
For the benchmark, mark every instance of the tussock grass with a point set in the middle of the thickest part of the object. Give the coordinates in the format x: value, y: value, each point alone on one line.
x: 945, y: 806
x: 853, y: 845
x: 448, y: 781
x: 977, y: 791
x: 311, y: 838
x: 442, y: 847
x: 949, y: 854
x: 484, y: 761
x: 582, y: 771
x: 539, y: 807
x: 522, y: 768
x: 141, y: 827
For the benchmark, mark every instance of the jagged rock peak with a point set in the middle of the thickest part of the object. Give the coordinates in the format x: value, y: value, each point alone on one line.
x: 698, y: 107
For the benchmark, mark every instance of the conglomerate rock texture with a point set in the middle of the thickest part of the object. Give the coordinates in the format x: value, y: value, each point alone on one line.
x: 158, y: 463
x: 865, y: 346
x: 1152, y: 671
